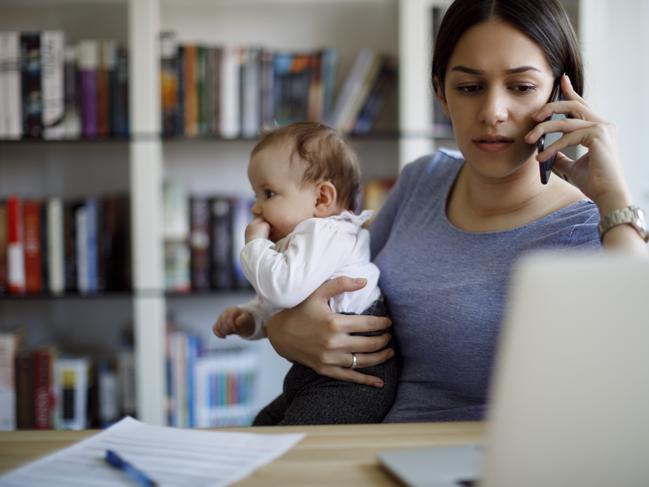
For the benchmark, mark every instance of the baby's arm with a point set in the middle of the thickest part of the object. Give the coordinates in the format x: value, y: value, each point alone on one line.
x: 285, y: 279
x: 247, y: 320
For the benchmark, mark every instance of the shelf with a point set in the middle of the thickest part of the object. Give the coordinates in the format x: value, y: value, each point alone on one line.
x: 143, y: 293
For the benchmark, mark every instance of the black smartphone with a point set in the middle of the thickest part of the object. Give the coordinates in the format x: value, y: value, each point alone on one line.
x: 550, y: 138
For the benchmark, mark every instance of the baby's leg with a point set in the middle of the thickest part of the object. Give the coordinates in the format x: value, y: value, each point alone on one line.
x: 329, y: 401
x: 273, y: 413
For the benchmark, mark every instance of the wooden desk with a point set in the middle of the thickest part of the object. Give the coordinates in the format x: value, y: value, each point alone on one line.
x: 328, y: 455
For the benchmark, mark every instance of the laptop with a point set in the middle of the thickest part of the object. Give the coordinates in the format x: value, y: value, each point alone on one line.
x: 570, y: 395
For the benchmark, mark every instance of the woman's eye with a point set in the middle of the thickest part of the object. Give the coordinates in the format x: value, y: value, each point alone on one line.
x: 523, y: 88
x: 469, y: 89
x: 268, y: 193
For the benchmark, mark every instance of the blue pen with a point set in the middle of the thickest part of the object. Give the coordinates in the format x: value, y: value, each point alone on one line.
x: 115, y: 461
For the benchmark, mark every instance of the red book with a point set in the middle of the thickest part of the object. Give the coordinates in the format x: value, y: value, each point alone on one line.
x: 33, y: 256
x: 42, y: 363
x: 15, y: 255
x: 3, y: 247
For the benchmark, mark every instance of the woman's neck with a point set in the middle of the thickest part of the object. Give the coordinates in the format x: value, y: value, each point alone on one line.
x: 480, y: 204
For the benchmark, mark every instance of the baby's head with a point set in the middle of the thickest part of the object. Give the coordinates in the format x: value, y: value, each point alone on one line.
x: 301, y: 171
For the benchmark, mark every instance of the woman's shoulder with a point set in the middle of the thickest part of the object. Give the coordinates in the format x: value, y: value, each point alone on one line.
x: 436, y: 167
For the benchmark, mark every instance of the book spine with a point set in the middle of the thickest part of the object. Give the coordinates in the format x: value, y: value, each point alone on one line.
x: 120, y: 103
x: 216, y: 89
x: 42, y: 360
x: 15, y: 251
x: 107, y: 61
x: 4, y: 242
x: 13, y: 86
x: 71, y: 120
x: 230, y: 92
x: 71, y: 392
x: 199, y: 243
x: 81, y: 224
x: 88, y: 66
x: 70, y: 246
x: 91, y: 245
x: 251, y: 90
x: 32, y: 248
x: 24, y: 392
x: 55, y: 245
x: 220, y: 243
x: 267, y: 98
x: 3, y: 88
x: 108, y: 392
x: 169, y: 83
x: 7, y: 381
x: 32, y: 94
x: 191, y: 91
x: 202, y: 104
x: 53, y: 55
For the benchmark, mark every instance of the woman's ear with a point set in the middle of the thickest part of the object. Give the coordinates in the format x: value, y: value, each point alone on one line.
x: 326, y: 196
x: 439, y: 94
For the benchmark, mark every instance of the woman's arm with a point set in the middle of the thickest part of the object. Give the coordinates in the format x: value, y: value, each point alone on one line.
x: 315, y: 336
x: 598, y: 173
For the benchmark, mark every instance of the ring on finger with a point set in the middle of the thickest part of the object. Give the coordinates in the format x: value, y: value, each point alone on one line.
x: 354, y: 361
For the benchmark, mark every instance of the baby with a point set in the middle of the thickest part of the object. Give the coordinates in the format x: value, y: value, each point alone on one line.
x: 306, y: 181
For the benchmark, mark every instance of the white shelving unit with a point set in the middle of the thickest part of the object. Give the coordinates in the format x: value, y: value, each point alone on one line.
x: 139, y: 166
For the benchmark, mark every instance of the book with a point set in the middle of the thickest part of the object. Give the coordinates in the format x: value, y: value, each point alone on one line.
x: 91, y: 241
x: 221, y: 267
x: 32, y: 246
x: 230, y: 110
x: 191, y: 90
x: 169, y: 83
x: 81, y: 247
x: 121, y: 94
x: 71, y: 117
x: 107, y: 393
x: 55, y: 246
x: 115, y: 244
x: 3, y: 88
x: 126, y: 380
x: 24, y: 380
x: 13, y: 85
x: 70, y: 393
x: 216, y: 55
x: 15, y: 250
x: 200, y: 243
x: 177, y: 258
x: 105, y: 67
x: 250, y: 89
x: 31, y: 73
x: 4, y: 242
x: 88, y: 64
x: 375, y: 100
x: 70, y: 245
x: 43, y: 384
x: 8, y: 345
x: 53, y: 84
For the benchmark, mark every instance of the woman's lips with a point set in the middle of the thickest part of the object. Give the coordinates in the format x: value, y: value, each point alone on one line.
x: 493, y: 144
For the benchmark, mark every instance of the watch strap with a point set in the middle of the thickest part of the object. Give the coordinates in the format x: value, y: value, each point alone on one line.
x: 631, y: 215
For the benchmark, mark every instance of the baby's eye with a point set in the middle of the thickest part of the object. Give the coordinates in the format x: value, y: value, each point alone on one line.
x: 469, y: 89
x: 268, y: 193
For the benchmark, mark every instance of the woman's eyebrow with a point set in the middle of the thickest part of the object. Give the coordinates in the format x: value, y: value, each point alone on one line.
x: 520, y: 69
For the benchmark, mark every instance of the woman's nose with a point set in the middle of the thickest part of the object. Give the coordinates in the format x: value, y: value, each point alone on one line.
x: 494, y: 109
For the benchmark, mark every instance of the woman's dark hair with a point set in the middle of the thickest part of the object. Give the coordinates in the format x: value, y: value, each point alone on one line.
x: 543, y: 21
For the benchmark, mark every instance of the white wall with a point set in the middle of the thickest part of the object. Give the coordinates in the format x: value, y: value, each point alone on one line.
x: 615, y: 38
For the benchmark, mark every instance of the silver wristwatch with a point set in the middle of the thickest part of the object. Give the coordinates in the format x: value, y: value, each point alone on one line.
x: 631, y: 215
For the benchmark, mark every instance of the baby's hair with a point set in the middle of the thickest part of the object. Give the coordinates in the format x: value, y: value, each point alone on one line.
x: 326, y: 155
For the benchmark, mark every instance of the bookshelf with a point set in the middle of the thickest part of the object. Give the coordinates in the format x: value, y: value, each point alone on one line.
x: 139, y: 164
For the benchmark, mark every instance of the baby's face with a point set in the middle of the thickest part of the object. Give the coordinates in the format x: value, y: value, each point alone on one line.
x: 280, y: 198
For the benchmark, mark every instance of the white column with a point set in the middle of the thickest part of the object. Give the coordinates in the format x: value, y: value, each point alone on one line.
x: 146, y: 210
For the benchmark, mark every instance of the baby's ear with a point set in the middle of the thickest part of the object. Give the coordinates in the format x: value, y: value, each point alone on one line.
x: 326, y: 196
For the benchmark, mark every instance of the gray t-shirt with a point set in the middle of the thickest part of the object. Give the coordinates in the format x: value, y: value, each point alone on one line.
x: 446, y: 288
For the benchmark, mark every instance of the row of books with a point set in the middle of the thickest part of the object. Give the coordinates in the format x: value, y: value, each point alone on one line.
x: 44, y: 389
x: 208, y: 388
x: 52, y: 90
x: 203, y: 236
x: 232, y: 91
x: 54, y: 246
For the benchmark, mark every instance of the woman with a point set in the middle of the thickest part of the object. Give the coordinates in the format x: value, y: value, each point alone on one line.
x: 455, y: 223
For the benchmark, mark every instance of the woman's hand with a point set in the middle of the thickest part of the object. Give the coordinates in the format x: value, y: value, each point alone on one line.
x: 598, y: 173
x: 315, y: 336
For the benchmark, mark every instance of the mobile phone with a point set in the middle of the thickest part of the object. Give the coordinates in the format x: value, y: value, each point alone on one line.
x: 550, y: 138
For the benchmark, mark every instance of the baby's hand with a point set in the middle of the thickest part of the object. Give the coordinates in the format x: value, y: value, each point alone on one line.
x: 257, y: 228
x: 234, y: 321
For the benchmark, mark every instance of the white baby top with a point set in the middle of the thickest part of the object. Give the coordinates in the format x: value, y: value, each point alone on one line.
x: 285, y: 273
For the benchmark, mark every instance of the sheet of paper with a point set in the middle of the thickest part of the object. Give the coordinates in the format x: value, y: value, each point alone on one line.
x: 170, y: 456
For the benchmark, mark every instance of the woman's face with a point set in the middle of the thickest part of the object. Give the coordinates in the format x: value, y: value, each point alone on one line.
x: 497, y: 78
